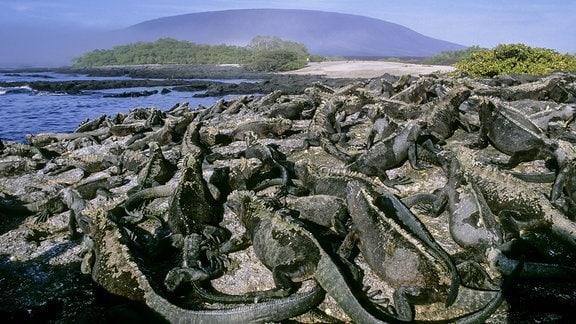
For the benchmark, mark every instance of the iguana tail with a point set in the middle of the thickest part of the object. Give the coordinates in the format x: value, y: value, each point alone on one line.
x: 269, y: 311
x: 146, y: 194
x: 333, y: 281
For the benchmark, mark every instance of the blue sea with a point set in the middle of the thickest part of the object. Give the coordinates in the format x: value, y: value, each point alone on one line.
x: 27, y: 111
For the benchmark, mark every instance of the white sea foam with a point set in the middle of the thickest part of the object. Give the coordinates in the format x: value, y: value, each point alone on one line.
x: 15, y: 90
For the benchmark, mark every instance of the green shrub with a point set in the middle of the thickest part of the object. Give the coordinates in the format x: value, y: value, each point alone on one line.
x: 264, y: 53
x: 516, y: 59
x: 451, y: 57
x: 275, y: 60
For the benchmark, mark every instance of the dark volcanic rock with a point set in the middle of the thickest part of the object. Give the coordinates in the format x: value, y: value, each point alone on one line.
x: 204, y: 77
x: 263, y: 143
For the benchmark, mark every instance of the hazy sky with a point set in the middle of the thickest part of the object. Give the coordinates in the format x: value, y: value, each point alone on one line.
x: 539, y: 23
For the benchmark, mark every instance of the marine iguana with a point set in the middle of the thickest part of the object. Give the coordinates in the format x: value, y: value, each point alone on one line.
x: 563, y: 193
x: 76, y: 204
x: 158, y: 170
x: 192, y: 211
x: 394, y: 242
x: 328, y: 211
x: 90, y: 125
x: 391, y: 153
x: 40, y: 140
x: 506, y: 194
x: 274, y: 127
x: 478, y: 230
x: 442, y: 116
x: 551, y: 87
x: 274, y: 163
x: 512, y: 133
x: 293, y: 254
x: 472, y: 224
x: 43, y: 208
x: 382, y: 125
x: 324, y: 128
x: 117, y: 270
x: 417, y: 92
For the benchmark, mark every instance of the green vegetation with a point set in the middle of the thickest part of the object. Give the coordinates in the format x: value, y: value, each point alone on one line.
x: 451, y: 57
x: 264, y: 53
x: 270, y: 53
x: 515, y: 59
x: 163, y: 51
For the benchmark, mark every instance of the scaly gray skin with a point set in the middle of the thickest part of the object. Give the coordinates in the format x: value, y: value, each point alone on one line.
x: 76, y: 204
x: 192, y: 205
x: 192, y: 210
x: 390, y: 153
x: 563, y: 193
x: 509, y: 195
x: 475, y: 228
x: 90, y: 125
x: 74, y: 198
x: 325, y: 124
x: 325, y: 210
x: 543, y: 118
x: 472, y: 224
x: 117, y: 270
x: 171, y: 130
x: 262, y: 128
x: 382, y: 125
x: 291, y: 109
x: 157, y: 171
x: 135, y: 199
x: 18, y: 149
x: 381, y: 129
x: 163, y: 135
x: 442, y: 115
x: 417, y: 92
x: 333, y: 182
x: 47, y: 207
x: 90, y: 187
x: 47, y: 138
x: 293, y: 254
x: 129, y: 128
x: 327, y: 181
x: 420, y: 275
x: 93, y: 162
x: 85, y: 189
x: 547, y: 88
x: 269, y: 156
x: 512, y: 133
x: 399, y: 249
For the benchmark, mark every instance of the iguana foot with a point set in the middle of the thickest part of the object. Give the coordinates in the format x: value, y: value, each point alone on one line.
x: 42, y: 217
x: 400, y: 180
x: 177, y: 276
x: 133, y: 216
x: 321, y: 317
x: 478, y: 145
x: 502, y: 165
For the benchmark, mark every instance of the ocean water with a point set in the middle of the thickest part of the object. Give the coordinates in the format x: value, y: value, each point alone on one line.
x: 26, y: 111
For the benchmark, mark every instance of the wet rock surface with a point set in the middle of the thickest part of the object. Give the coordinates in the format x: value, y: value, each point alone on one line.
x: 148, y: 193
x: 211, y: 79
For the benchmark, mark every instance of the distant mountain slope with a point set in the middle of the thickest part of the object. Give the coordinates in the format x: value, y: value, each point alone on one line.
x: 323, y: 33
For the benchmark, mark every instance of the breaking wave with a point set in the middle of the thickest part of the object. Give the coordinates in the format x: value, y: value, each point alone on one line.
x: 16, y: 90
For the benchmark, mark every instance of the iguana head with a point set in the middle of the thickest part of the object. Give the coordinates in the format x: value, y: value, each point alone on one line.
x: 239, y: 201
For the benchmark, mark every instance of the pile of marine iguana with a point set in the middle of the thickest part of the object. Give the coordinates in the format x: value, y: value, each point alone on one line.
x: 276, y: 207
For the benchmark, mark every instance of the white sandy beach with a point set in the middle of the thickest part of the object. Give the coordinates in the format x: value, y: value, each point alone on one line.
x: 367, y: 69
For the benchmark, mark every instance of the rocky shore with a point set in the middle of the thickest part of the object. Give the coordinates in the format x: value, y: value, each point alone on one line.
x: 202, y: 77
x: 130, y: 218
x: 205, y: 76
